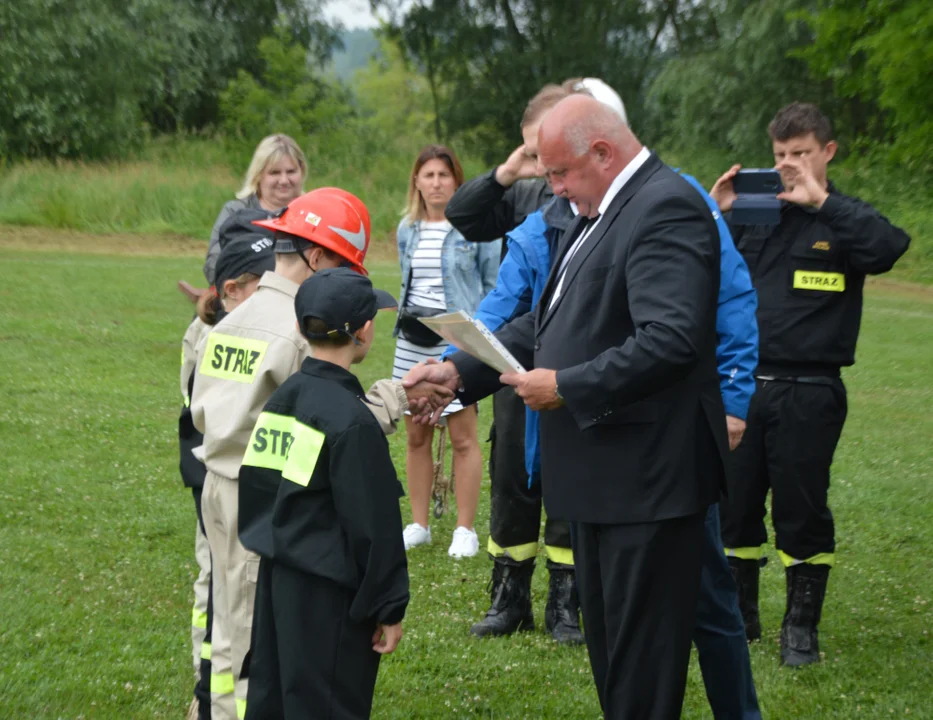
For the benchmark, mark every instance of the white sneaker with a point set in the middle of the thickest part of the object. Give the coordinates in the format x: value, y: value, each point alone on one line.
x: 415, y: 535
x: 464, y: 544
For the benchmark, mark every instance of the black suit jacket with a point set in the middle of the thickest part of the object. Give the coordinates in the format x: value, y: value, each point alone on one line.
x: 642, y: 434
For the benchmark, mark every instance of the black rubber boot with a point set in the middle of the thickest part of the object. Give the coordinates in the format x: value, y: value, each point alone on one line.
x: 745, y: 573
x: 806, y: 589
x: 510, y: 592
x: 562, y: 612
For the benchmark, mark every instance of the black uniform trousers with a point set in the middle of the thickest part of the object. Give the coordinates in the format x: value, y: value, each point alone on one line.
x: 638, y: 586
x: 515, y: 508
x: 308, y: 658
x: 792, y: 431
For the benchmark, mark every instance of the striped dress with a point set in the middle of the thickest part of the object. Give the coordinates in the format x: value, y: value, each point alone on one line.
x: 426, y: 290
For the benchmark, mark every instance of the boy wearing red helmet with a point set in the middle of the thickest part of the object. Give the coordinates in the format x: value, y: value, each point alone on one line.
x: 249, y: 354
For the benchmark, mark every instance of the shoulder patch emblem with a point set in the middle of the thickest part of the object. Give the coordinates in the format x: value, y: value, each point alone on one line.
x: 821, y: 245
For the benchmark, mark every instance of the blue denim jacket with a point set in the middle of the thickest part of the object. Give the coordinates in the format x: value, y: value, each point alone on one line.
x: 469, y: 269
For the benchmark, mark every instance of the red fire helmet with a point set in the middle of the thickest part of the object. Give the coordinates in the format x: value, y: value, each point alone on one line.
x: 330, y: 217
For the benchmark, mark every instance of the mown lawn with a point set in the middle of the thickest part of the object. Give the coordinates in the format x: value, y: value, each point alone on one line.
x: 96, y: 531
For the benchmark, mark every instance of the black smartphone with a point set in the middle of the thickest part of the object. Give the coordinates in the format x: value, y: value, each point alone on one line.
x: 758, y: 181
x: 756, y: 200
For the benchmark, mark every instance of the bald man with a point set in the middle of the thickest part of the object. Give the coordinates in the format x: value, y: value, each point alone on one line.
x: 622, y: 366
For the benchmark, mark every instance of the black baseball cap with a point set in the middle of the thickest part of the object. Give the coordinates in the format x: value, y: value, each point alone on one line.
x: 250, y: 254
x: 342, y: 298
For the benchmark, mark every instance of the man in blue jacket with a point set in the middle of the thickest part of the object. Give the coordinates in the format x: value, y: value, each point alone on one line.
x: 719, y: 634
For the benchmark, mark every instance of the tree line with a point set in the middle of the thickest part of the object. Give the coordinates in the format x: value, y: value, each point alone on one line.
x: 93, y: 78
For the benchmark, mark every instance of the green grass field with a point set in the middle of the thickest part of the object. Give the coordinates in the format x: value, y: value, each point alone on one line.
x: 97, y: 530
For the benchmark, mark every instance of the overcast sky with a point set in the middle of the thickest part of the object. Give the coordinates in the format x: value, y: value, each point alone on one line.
x: 352, y: 13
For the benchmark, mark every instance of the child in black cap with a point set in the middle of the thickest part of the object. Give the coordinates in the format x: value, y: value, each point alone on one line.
x: 319, y: 503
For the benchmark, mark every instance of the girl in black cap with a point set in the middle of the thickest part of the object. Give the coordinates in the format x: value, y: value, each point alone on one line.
x: 239, y: 268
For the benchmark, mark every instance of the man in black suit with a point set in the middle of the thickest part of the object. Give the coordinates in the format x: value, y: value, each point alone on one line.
x: 634, y: 441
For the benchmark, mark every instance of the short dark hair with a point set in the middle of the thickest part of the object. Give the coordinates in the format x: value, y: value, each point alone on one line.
x: 337, y: 338
x: 546, y: 98
x: 799, y: 119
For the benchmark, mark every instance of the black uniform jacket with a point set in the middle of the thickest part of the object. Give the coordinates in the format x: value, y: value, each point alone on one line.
x: 319, y: 493
x: 483, y: 210
x: 642, y: 434
x: 809, y: 272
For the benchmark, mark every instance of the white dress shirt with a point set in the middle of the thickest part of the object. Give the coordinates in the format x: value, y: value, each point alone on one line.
x: 614, y: 188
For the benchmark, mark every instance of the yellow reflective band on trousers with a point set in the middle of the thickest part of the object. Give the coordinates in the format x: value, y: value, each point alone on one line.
x: 222, y: 683
x: 198, y: 619
x: 240, y: 708
x: 559, y: 555
x: 518, y: 553
x: 819, y: 559
x: 205, y: 651
x: 233, y: 358
x: 746, y: 553
x: 825, y: 281
x: 282, y: 443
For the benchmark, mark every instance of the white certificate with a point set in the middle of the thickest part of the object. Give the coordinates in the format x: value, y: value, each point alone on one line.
x: 473, y: 337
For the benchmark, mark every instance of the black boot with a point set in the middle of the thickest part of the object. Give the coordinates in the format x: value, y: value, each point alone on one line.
x: 562, y: 612
x: 745, y: 574
x: 806, y: 588
x: 511, y: 600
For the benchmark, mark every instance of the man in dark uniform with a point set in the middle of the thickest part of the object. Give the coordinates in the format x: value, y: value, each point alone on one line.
x: 319, y: 504
x: 809, y: 271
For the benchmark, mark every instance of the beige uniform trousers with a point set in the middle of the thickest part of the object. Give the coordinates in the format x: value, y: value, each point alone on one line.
x: 235, y: 571
x: 202, y: 587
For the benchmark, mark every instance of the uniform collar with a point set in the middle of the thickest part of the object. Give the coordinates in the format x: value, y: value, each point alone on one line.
x: 274, y: 281
x: 328, y: 371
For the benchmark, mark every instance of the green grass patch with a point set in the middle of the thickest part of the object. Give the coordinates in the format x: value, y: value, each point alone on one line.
x: 178, y: 184
x: 97, y: 531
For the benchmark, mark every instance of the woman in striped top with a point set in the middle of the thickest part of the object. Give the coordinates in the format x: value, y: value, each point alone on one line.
x: 441, y: 272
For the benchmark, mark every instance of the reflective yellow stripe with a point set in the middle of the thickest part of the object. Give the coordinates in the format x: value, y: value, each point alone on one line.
x: 240, y: 708
x: 205, y: 651
x: 819, y: 559
x: 562, y: 556
x: 746, y: 553
x: 233, y: 358
x: 222, y: 684
x: 198, y: 619
x: 826, y: 281
x: 519, y: 553
x: 280, y: 442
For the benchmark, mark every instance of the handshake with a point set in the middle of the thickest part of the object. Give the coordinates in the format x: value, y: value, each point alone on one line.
x: 430, y: 386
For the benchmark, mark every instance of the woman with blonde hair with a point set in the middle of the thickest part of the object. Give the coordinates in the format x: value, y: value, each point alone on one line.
x: 441, y: 272
x: 275, y: 177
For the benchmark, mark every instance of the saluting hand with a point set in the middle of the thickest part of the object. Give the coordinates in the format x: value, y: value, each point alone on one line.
x: 800, y: 185
x: 538, y: 388
x: 386, y: 638
x: 519, y: 166
x: 723, y: 191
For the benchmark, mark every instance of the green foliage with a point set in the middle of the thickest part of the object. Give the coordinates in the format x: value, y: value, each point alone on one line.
x: 723, y: 94
x: 69, y: 81
x: 878, y: 53
x: 290, y: 96
x: 487, y: 58
x: 88, y: 78
x: 98, y: 533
